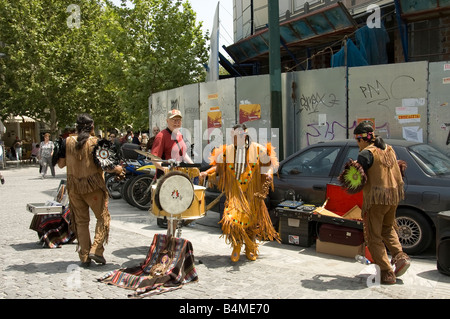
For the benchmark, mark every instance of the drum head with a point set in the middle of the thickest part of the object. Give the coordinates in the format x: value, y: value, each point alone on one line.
x: 174, y: 193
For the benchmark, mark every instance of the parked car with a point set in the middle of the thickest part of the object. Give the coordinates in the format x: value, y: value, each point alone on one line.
x: 305, y: 175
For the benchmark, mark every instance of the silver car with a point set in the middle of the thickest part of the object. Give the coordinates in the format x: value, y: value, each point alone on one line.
x: 305, y: 175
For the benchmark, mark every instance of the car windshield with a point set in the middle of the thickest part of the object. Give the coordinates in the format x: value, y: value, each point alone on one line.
x: 316, y: 161
x: 432, y: 161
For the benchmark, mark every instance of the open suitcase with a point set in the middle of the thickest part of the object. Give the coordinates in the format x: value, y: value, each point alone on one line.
x: 51, y: 220
x: 341, y: 235
x: 338, y: 203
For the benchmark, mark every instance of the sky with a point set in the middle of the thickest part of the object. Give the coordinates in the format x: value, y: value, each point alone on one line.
x: 205, y: 10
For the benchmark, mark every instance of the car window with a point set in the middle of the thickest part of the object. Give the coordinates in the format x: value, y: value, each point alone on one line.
x: 316, y: 161
x: 352, y: 153
x: 431, y: 160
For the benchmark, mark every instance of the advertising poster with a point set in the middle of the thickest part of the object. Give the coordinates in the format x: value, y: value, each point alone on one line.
x: 249, y: 112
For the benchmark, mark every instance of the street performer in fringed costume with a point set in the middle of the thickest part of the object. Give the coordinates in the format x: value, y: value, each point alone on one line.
x: 86, y: 189
x: 380, y: 176
x: 245, y: 171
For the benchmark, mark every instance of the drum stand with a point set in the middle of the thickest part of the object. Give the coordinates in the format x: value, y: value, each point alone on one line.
x: 172, y: 230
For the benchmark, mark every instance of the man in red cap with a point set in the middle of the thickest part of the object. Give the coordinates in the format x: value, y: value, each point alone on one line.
x: 169, y: 144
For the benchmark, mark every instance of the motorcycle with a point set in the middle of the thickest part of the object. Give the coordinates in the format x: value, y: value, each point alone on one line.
x: 137, y: 189
x: 134, y: 165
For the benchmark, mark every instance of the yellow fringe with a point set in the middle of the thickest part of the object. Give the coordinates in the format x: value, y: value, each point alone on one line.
x: 246, y: 217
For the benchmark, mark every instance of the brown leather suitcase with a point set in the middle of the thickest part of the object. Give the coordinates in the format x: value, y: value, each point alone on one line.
x: 341, y: 235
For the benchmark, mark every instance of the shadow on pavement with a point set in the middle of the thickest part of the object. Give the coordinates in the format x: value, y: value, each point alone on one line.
x: 321, y: 282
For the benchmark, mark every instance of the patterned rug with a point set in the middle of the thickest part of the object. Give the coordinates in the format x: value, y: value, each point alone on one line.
x: 53, y: 229
x: 168, y: 266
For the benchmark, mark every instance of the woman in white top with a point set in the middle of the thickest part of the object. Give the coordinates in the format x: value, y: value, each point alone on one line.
x: 45, y: 155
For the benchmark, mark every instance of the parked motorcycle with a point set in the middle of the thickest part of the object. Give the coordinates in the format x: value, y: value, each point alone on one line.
x: 137, y: 190
x: 134, y: 165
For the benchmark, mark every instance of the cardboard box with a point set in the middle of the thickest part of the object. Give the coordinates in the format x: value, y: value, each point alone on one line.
x: 338, y: 249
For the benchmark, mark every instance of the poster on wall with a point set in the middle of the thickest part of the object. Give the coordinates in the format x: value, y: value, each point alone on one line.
x: 214, y: 120
x: 370, y: 120
x: 249, y: 112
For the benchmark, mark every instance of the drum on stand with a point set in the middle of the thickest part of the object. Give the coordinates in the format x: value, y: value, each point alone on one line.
x: 176, y: 197
x: 174, y: 193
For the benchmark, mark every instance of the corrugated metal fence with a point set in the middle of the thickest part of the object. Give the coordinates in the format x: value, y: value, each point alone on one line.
x: 405, y: 101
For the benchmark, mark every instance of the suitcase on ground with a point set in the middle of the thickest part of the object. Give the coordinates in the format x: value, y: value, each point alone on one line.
x: 341, y: 235
x: 295, y: 225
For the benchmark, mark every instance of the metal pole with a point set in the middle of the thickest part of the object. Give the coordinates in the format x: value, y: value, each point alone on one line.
x: 276, y: 114
x: 403, y: 29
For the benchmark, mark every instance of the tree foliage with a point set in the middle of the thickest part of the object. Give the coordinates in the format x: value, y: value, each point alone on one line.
x: 107, y: 65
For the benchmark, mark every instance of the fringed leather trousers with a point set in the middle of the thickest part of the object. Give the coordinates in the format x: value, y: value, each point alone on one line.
x: 79, y: 206
x: 380, y: 233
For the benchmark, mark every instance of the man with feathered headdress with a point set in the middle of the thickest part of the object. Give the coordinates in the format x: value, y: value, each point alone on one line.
x: 244, y: 171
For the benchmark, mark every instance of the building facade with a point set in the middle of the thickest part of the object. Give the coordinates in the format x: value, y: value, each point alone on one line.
x: 312, y: 32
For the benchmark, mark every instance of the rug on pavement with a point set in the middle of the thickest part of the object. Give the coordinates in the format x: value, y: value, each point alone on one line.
x: 169, y: 265
x: 53, y: 229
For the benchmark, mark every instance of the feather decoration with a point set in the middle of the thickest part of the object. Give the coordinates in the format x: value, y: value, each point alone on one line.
x: 105, y: 154
x: 402, y: 164
x: 352, y: 177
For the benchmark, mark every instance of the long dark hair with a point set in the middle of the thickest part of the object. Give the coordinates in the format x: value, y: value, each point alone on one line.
x: 85, y: 125
x: 365, y: 131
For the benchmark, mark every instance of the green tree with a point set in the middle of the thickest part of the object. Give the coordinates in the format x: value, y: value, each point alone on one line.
x: 163, y: 48
x: 107, y: 63
x: 47, y: 73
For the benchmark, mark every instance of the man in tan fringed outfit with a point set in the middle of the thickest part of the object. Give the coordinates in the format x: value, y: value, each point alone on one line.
x: 381, y: 194
x: 86, y: 189
x: 245, y: 173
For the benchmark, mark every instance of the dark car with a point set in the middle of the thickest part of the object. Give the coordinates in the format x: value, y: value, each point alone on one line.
x: 305, y: 175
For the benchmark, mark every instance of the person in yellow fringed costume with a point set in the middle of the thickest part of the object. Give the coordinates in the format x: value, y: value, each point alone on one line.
x: 245, y: 174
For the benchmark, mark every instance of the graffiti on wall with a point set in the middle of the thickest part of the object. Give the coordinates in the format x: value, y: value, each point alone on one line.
x: 330, y: 131
x: 380, y: 94
x: 310, y: 103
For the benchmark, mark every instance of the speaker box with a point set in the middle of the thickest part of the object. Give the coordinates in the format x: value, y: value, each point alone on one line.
x: 443, y: 242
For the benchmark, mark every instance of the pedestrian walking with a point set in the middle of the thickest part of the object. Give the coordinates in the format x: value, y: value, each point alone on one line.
x: 18, y: 149
x: 46, y: 149
x: 35, y: 152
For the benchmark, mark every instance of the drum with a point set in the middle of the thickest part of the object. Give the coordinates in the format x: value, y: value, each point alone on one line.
x: 175, y: 196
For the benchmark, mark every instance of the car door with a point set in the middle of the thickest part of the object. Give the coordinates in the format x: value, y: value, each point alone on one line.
x: 349, y: 151
x: 307, y: 174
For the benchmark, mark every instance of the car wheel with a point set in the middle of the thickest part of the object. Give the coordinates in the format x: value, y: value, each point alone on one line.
x: 414, y: 231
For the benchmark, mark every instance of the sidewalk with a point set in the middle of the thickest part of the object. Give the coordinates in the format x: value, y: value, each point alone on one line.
x: 281, y: 271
